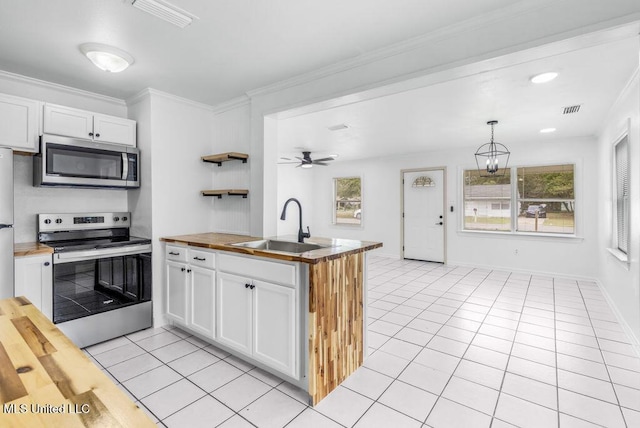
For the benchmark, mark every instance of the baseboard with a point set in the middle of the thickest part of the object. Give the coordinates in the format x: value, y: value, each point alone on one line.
x: 524, y: 271
x: 635, y: 343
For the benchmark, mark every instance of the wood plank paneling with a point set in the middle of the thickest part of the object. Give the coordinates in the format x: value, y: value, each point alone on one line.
x: 335, y: 322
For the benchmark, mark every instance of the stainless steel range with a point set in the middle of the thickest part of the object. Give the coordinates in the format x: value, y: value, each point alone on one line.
x: 101, y: 275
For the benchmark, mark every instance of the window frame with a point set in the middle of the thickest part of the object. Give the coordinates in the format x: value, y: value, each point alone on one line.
x: 513, y: 201
x: 334, y: 194
x: 615, y: 235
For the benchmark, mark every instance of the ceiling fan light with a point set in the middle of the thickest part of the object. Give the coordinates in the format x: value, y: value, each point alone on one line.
x: 107, y: 58
x: 544, y: 77
x: 307, y: 165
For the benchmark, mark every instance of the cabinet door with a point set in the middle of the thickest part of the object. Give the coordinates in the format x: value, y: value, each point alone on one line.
x: 177, y: 289
x: 274, y: 327
x: 233, y: 312
x: 203, y: 299
x: 19, y: 123
x: 110, y: 129
x: 33, y: 280
x: 67, y: 121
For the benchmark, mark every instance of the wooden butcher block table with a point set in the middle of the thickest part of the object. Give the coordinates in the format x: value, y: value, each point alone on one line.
x: 46, y: 381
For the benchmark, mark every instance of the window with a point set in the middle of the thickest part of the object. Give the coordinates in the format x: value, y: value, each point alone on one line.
x: 546, y: 199
x: 347, y: 207
x: 621, y: 208
x: 540, y: 199
x: 486, y: 202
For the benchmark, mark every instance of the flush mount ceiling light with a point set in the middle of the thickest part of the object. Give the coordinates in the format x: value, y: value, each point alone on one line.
x: 492, y: 156
x: 544, y: 77
x: 547, y: 130
x: 107, y: 58
x: 165, y: 11
x: 306, y: 165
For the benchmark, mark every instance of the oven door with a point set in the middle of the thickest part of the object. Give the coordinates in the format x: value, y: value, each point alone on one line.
x: 84, y: 286
x: 69, y: 162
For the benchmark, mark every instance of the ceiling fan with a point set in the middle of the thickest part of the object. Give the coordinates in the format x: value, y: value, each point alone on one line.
x: 307, y: 162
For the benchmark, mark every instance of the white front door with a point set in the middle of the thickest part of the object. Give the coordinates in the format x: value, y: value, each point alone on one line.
x: 423, y: 208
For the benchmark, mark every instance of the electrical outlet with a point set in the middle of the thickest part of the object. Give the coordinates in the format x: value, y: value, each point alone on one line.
x: 516, y: 252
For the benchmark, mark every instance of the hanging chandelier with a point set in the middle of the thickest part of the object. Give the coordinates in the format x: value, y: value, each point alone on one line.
x: 492, y: 158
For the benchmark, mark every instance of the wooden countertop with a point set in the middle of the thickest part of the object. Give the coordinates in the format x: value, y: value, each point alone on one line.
x: 222, y: 241
x: 31, y: 249
x: 50, y: 381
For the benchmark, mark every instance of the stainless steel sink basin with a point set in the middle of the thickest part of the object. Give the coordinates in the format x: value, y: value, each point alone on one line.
x: 282, y: 246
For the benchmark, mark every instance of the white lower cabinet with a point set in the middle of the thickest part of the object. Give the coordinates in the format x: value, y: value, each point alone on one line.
x: 177, y: 288
x: 202, y: 290
x: 234, y: 312
x: 34, y: 280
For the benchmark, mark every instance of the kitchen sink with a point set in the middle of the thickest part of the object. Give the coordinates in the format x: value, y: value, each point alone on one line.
x: 282, y: 246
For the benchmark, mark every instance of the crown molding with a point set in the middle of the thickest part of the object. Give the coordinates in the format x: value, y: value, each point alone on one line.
x: 405, y: 46
x: 147, y: 92
x: 626, y: 91
x: 231, y: 104
x: 6, y: 75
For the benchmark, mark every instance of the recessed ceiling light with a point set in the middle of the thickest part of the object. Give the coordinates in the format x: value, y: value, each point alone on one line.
x: 107, y: 58
x: 544, y: 77
x: 547, y: 130
x: 338, y: 127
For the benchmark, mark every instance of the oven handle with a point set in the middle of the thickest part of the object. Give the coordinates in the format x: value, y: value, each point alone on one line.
x: 77, y: 256
x: 125, y: 166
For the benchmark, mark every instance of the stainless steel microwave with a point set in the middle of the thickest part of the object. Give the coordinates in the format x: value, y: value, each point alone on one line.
x: 71, y: 162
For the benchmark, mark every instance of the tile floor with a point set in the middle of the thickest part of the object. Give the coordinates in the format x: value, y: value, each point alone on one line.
x: 449, y: 347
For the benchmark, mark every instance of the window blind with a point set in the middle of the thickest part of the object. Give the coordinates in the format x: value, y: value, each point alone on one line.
x: 622, y: 193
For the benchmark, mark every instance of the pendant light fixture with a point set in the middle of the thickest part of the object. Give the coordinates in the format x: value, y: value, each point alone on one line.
x: 492, y: 158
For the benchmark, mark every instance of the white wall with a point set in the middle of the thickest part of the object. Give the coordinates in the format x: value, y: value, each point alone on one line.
x: 30, y: 200
x: 179, y: 133
x: 620, y: 280
x: 381, y: 218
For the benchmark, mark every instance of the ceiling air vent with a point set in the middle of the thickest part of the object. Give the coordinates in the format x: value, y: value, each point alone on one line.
x: 166, y: 11
x: 571, y: 109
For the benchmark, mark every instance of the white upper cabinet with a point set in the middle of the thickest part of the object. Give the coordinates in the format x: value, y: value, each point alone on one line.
x: 71, y: 122
x: 19, y: 119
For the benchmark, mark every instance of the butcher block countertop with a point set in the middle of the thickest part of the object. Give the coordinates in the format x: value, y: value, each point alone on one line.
x: 222, y: 241
x: 31, y: 249
x: 46, y: 381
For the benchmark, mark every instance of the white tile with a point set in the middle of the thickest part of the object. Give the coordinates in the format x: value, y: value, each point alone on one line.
x: 172, y: 398
x: 148, y: 412
x: 470, y: 315
x: 193, y: 362
x: 236, y: 421
x: 367, y: 382
x: 471, y: 394
x: 531, y: 390
x: 401, y: 349
x: 532, y: 370
x: 207, y: 411
x: 261, y: 412
x: 265, y: 377
x: 426, y: 378
x: 151, y: 381
x: 582, y: 366
x: 384, y: 327
x: 629, y: 397
x: 239, y: 363
x: 580, y: 339
x: 455, y: 333
x: 117, y: 355
x: 631, y: 417
x: 344, y: 406
x: 479, y: 373
x: 437, y: 360
x: 376, y: 340
x: 177, y: 331
x: 213, y: 350
x: 143, y: 334
x: 613, y: 359
x: 409, y: 400
x: 486, y: 357
x: 198, y: 342
x: 447, y: 414
x: 386, y: 363
x: 108, y: 345
x: 215, y: 375
x: 238, y: 393
x: 294, y: 392
x: 433, y: 316
x: 492, y: 343
x: 425, y: 326
x: 617, y: 347
x: 134, y: 367
x: 591, y: 409
x: 586, y: 385
x: 524, y: 413
x: 501, y: 322
x: 567, y: 421
x: 309, y: 418
x: 535, y: 341
x: 396, y: 318
x: 448, y: 346
x: 158, y: 340
x: 174, y: 351
x: 380, y: 416
x: 411, y: 335
x: 579, y: 351
x: 499, y: 332
x: 463, y: 323
x: 624, y: 377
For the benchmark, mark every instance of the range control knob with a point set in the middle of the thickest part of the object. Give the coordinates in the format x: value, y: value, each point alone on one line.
x: 58, y: 220
x: 116, y: 219
x: 47, y: 221
x: 125, y: 218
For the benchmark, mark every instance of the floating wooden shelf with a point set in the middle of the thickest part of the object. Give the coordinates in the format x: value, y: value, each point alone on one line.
x: 225, y: 157
x: 230, y: 192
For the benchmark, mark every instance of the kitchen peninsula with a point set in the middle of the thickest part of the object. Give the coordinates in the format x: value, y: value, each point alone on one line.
x: 299, y: 314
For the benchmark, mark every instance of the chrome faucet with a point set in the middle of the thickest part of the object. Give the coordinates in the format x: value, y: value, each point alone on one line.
x: 283, y: 216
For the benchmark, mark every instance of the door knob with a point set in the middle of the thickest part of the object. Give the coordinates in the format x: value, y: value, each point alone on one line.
x: 439, y: 223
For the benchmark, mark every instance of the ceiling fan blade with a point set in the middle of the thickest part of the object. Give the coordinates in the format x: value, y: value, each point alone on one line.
x: 324, y: 160
x: 298, y: 157
x: 285, y: 163
x: 298, y: 166
x: 320, y: 163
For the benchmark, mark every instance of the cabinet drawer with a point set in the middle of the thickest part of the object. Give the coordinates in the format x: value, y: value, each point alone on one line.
x: 178, y: 254
x: 258, y: 268
x: 203, y: 258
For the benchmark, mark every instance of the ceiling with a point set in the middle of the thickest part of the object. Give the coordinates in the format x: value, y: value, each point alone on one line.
x: 453, y: 114
x: 235, y: 45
